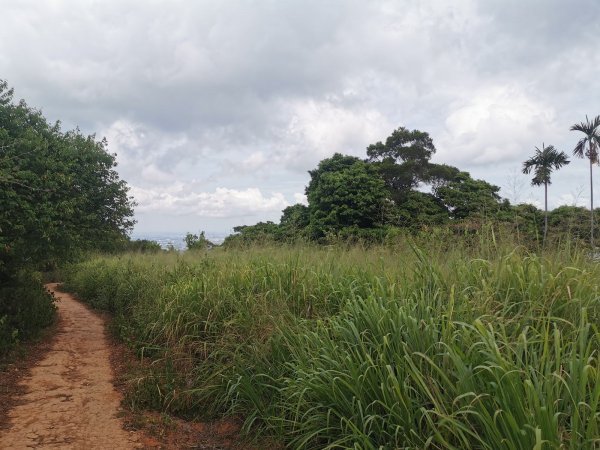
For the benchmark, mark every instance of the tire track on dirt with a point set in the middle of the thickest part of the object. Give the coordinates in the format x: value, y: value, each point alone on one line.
x: 70, y: 402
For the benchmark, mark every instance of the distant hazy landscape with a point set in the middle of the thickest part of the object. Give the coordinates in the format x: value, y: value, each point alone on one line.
x: 177, y: 239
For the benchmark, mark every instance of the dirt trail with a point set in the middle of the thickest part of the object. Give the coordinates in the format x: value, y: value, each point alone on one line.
x: 70, y: 401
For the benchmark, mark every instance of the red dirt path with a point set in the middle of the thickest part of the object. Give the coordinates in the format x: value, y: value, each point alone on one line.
x: 69, y: 400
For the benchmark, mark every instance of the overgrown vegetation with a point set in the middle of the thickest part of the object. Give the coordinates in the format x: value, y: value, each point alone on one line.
x: 25, y: 308
x: 398, y: 187
x: 433, y: 317
x: 439, y: 343
x: 60, y: 195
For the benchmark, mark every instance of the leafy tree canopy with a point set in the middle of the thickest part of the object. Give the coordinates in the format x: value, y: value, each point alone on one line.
x: 197, y: 242
x: 418, y: 209
x: 466, y: 196
x: 543, y: 163
x: 403, y: 146
x: 403, y: 160
x: 260, y: 233
x: 59, y: 190
x: 344, y: 191
x: 295, y: 218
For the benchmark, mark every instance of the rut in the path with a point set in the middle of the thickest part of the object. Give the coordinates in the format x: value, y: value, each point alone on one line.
x: 70, y: 401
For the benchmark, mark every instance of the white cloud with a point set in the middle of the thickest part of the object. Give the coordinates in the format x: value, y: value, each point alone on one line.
x: 572, y: 199
x: 496, y: 124
x: 300, y: 198
x: 178, y: 199
x: 317, y: 129
x: 251, y: 95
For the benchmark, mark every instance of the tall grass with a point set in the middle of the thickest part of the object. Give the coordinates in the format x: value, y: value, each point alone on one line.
x: 472, y: 347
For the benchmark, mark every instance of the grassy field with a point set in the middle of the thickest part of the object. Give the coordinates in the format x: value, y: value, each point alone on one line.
x: 439, y: 345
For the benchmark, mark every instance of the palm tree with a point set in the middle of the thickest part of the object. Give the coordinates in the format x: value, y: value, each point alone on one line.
x: 543, y: 162
x: 591, y: 140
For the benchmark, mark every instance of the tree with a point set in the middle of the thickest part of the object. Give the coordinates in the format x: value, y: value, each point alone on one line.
x: 197, y: 242
x: 344, y: 191
x: 59, y: 191
x: 570, y: 220
x: 466, y: 197
x: 403, y: 160
x: 418, y: 209
x: 260, y: 233
x: 439, y: 175
x: 59, y: 195
x: 294, y: 220
x: 591, y: 130
x: 543, y: 163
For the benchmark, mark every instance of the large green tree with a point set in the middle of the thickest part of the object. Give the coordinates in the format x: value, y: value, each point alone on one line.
x: 59, y: 191
x: 344, y: 191
x: 543, y: 163
x: 587, y: 147
x: 403, y: 160
x: 467, y: 197
x: 59, y: 195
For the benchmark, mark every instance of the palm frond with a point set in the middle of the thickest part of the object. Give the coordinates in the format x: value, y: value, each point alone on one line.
x: 528, y: 165
x: 537, y: 181
x: 579, y: 149
x: 583, y: 127
x: 543, y: 163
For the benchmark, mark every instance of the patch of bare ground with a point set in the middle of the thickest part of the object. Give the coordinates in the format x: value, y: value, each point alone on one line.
x: 67, y: 400
x: 17, y: 365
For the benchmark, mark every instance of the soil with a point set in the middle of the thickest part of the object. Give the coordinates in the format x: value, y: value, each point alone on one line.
x: 67, y: 393
x: 69, y: 401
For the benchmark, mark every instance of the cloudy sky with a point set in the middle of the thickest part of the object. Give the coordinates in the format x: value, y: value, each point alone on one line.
x: 217, y: 109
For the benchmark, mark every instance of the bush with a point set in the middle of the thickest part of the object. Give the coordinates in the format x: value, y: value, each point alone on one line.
x: 25, y: 308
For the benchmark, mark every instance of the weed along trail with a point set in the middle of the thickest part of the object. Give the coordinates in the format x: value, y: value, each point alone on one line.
x: 70, y: 401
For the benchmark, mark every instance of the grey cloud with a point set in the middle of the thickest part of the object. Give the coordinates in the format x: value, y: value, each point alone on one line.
x: 227, y: 93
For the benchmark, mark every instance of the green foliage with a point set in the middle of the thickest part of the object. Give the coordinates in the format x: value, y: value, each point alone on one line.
x: 295, y: 219
x: 60, y: 195
x: 543, y: 163
x: 439, y: 175
x: 344, y: 192
x: 197, y: 242
x: 59, y: 191
x: 460, y: 346
x: 587, y: 147
x: 571, y: 221
x: 264, y: 233
x: 403, y: 145
x: 25, y: 308
x: 526, y: 220
x: 403, y: 160
x: 466, y: 197
x: 416, y: 210
x: 142, y: 246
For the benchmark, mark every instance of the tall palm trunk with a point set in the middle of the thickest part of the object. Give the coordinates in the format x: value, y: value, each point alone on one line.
x: 545, y: 212
x: 591, y: 200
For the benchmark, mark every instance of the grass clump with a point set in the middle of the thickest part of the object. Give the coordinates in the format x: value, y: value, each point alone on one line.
x: 366, y: 348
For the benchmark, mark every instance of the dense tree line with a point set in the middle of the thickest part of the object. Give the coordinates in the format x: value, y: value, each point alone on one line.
x: 398, y: 187
x: 59, y: 195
